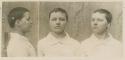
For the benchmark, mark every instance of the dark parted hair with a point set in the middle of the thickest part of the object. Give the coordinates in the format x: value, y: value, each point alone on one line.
x: 16, y: 13
x: 108, y: 15
x: 59, y: 10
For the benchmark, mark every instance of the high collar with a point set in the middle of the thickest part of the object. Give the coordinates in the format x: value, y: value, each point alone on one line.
x: 55, y: 40
x: 17, y: 36
x: 95, y: 38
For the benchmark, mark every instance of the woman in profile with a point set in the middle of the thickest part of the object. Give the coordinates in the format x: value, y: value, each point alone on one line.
x: 19, y: 45
x: 101, y: 43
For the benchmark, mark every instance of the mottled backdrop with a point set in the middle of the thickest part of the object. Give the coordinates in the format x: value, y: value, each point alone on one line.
x: 79, y: 19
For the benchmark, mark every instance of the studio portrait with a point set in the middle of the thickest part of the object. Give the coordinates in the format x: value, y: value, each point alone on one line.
x: 20, y: 34
x: 95, y: 27
x: 62, y: 29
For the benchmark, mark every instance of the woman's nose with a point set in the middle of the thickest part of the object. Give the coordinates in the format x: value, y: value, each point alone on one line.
x: 57, y: 22
x: 95, y: 22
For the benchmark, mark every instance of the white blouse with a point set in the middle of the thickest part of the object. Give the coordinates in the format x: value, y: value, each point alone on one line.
x: 53, y: 47
x: 19, y: 46
x: 94, y: 47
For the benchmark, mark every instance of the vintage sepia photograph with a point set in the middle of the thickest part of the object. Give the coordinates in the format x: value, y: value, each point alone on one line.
x: 20, y: 29
x: 62, y: 29
x: 82, y: 29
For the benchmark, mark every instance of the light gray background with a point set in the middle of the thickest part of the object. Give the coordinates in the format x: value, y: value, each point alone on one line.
x: 79, y: 19
x: 32, y: 35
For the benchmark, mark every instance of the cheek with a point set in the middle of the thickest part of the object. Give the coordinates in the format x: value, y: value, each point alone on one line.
x: 103, y: 26
x: 27, y: 25
x: 51, y: 23
x: 63, y: 23
x: 22, y: 25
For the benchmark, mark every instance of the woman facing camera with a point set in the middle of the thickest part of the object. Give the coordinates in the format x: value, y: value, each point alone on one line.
x: 58, y: 42
x: 19, y: 45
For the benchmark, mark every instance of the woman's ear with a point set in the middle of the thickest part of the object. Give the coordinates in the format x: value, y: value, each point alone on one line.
x: 109, y: 26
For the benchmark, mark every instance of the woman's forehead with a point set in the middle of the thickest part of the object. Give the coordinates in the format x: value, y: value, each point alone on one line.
x: 98, y: 15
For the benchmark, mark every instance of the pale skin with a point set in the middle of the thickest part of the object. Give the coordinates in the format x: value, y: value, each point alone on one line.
x: 57, y: 24
x: 100, y: 25
x: 23, y: 25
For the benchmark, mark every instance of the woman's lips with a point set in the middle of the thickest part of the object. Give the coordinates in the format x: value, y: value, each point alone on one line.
x: 57, y: 27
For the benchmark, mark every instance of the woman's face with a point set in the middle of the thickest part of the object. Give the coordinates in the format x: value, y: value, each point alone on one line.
x: 57, y: 22
x: 25, y: 23
x: 99, y: 23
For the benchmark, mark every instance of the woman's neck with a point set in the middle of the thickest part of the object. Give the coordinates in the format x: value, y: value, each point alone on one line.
x: 102, y: 35
x: 18, y: 31
x: 59, y: 35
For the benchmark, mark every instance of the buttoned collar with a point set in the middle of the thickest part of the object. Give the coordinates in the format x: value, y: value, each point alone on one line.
x: 97, y: 41
x: 95, y: 38
x: 54, y: 40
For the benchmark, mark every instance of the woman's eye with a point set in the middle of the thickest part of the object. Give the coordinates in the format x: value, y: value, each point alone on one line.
x: 61, y: 19
x: 100, y: 20
x: 54, y: 19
